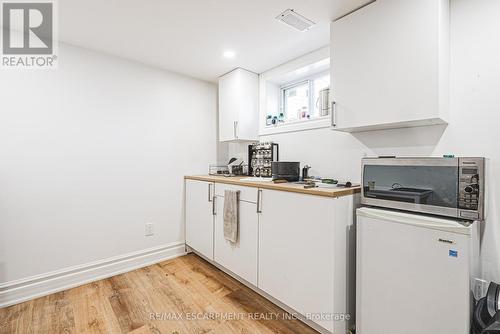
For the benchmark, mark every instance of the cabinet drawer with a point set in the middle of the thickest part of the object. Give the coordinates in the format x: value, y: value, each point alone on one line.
x: 247, y: 194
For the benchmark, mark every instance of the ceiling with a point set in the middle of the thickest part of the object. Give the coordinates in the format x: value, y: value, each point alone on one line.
x: 190, y: 36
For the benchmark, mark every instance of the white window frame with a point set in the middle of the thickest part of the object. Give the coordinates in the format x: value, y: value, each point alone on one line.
x: 269, y: 92
x: 312, y: 99
x: 283, y: 99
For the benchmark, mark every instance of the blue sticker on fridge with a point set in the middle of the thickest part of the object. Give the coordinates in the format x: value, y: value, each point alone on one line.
x: 453, y: 253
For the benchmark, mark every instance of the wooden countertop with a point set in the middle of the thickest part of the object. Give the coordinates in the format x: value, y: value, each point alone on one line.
x: 290, y: 187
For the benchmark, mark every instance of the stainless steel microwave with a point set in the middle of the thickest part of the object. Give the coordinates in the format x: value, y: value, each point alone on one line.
x: 452, y: 187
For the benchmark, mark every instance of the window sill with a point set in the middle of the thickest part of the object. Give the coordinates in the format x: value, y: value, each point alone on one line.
x: 318, y: 123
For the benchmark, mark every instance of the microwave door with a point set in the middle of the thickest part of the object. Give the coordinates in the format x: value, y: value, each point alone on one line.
x: 414, y: 187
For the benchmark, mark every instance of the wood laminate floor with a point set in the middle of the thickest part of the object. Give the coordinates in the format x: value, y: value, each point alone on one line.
x: 185, y: 295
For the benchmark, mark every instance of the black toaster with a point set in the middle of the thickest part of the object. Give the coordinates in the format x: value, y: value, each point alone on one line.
x: 286, y: 170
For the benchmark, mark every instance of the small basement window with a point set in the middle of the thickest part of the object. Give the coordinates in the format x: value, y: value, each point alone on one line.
x: 303, y: 100
x: 295, y: 102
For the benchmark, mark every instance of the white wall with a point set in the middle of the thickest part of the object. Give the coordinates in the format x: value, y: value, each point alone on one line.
x: 473, y: 130
x: 91, y: 152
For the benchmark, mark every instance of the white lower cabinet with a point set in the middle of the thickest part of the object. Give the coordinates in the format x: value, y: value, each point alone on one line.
x: 240, y: 257
x: 199, y: 217
x: 296, y: 247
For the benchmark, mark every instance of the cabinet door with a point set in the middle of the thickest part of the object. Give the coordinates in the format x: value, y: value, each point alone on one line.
x: 296, y: 248
x: 240, y: 257
x: 199, y: 217
x: 228, y: 104
x: 389, y: 65
x: 248, y: 112
x: 238, y: 105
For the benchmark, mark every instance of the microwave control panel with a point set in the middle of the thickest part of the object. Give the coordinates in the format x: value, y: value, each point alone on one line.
x: 469, y: 188
x: 470, y: 191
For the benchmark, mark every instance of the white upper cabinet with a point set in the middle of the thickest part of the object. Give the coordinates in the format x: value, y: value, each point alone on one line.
x: 390, y: 65
x: 238, y: 106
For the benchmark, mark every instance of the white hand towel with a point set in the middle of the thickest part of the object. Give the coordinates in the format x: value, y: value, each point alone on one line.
x: 231, y: 215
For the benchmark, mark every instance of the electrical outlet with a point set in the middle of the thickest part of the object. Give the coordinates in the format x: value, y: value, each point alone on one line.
x: 480, y: 288
x: 150, y: 230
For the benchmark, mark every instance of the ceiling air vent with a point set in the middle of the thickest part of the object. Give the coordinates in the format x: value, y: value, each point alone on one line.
x: 295, y: 20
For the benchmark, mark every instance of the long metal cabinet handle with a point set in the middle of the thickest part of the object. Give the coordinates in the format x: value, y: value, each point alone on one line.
x: 334, y: 114
x: 214, y: 211
x: 210, y: 192
x: 235, y: 129
x: 259, y: 198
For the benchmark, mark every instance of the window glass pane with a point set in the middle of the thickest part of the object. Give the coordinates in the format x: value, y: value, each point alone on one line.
x: 296, y: 102
x: 300, y: 101
x: 321, y: 101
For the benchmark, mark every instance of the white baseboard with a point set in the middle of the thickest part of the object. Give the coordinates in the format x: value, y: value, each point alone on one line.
x: 18, y: 291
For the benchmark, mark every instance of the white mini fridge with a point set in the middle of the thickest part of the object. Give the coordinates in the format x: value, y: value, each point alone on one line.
x: 414, y: 273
